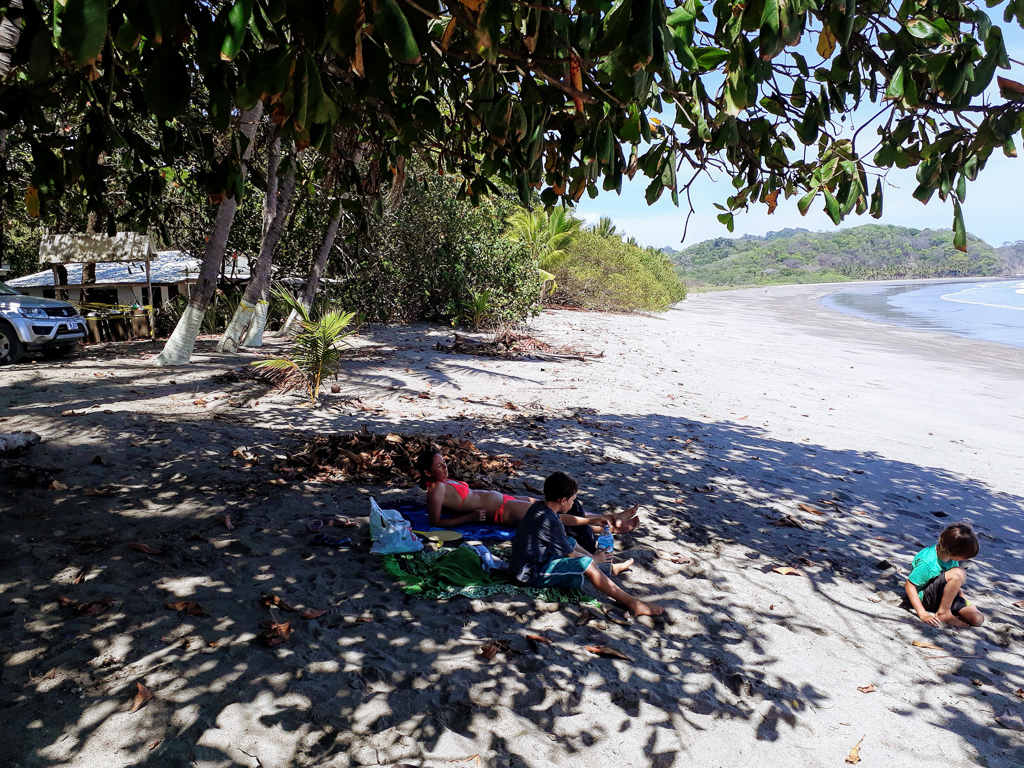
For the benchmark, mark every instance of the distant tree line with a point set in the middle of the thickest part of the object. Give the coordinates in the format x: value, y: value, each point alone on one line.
x: 869, y: 252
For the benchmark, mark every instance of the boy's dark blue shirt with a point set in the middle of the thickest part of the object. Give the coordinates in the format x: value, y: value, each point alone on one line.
x: 540, y: 537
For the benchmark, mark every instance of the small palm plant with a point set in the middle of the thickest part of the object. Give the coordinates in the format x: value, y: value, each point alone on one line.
x: 316, y: 346
x: 479, y: 306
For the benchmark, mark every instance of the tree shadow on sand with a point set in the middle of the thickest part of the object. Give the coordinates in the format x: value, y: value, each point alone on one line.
x: 384, y: 678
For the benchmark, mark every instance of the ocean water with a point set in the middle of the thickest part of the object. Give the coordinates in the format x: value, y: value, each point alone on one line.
x: 992, y: 310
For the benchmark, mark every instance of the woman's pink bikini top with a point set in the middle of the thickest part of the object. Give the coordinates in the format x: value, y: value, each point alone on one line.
x: 460, y: 487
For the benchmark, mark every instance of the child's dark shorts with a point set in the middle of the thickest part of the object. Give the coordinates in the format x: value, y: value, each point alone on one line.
x: 932, y: 598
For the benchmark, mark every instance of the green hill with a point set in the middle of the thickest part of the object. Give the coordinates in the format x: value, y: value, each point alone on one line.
x: 868, y: 252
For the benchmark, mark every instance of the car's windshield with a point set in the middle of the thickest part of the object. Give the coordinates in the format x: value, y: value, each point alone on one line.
x: 6, y: 290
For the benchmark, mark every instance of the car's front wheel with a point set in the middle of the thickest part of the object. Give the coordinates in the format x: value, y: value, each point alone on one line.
x: 11, y: 348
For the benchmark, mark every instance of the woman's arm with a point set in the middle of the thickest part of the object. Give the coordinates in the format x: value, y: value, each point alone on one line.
x: 435, y: 505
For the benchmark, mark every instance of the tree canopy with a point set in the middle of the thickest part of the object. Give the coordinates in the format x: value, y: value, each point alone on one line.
x: 556, y: 96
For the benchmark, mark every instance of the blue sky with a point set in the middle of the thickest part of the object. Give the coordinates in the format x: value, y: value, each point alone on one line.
x: 992, y: 211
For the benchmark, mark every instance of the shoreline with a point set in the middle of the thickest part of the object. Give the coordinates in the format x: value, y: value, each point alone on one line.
x: 720, y: 417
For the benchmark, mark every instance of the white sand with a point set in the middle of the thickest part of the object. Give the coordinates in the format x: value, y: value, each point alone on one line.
x: 783, y: 402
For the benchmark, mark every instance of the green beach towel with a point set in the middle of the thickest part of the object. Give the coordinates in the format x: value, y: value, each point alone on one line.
x: 445, y: 574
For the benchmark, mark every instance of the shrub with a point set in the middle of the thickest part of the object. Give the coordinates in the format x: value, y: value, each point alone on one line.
x: 431, y: 255
x: 608, y: 274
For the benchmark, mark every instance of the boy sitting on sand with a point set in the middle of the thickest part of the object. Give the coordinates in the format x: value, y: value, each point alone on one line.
x: 544, y: 556
x: 933, y: 587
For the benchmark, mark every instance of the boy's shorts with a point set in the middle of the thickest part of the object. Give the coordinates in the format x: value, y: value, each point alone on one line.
x: 562, y: 572
x: 932, y: 598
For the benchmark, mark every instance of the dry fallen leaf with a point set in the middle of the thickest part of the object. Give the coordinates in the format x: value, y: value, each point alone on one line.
x: 490, y: 650
x: 311, y: 613
x: 1010, y: 720
x: 364, y: 620
x: 68, y: 413
x: 608, y: 652
x: 141, y: 697
x: 854, y: 756
x: 1018, y: 604
x: 97, y: 459
x: 924, y: 644
x: 56, y: 485
x: 539, y: 639
x: 191, y: 607
x: 585, y: 617
x: 148, y: 549
x: 809, y: 509
x: 785, y: 570
x: 277, y: 634
x: 226, y: 520
x: 104, y: 492
x: 270, y: 600
x: 67, y: 602
x: 94, y: 608
x: 869, y: 688
x: 80, y: 576
x: 155, y: 744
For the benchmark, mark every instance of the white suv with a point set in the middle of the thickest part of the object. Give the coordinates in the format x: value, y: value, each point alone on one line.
x: 28, y: 324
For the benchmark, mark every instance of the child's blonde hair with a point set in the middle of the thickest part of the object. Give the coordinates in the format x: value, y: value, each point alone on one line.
x: 958, y: 542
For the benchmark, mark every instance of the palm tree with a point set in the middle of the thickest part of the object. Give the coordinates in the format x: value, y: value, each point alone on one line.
x: 547, y: 235
x: 605, y: 228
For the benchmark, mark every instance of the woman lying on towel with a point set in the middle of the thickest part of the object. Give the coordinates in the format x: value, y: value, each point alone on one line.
x: 463, y: 505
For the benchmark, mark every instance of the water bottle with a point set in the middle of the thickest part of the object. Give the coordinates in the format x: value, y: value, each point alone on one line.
x: 606, y: 541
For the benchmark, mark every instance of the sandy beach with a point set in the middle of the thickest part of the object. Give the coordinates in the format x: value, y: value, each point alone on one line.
x: 720, y: 418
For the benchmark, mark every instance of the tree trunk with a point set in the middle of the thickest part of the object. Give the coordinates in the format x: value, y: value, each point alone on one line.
x: 60, y: 277
x: 259, y: 281
x: 270, y: 201
x: 89, y: 269
x: 178, y: 350
x: 316, y: 271
x: 10, y: 34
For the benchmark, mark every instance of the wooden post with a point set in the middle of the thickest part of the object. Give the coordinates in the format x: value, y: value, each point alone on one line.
x: 152, y: 314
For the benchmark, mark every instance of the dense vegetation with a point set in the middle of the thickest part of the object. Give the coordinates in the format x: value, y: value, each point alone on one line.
x: 869, y: 252
x: 609, y: 274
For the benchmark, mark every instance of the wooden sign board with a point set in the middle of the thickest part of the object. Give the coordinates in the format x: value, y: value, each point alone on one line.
x: 95, y: 249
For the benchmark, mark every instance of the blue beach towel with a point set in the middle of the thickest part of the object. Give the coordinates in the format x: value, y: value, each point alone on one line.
x: 417, y: 515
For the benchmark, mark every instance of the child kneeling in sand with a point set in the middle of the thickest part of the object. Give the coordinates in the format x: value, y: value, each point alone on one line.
x: 543, y: 555
x: 933, y: 587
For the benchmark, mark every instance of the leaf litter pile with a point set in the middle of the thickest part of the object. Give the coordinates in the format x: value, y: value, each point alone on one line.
x: 375, y: 459
x: 511, y: 345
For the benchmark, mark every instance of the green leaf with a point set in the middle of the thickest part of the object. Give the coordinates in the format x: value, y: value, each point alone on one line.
x: 128, y: 37
x: 727, y: 219
x: 709, y: 58
x: 876, y: 200
x: 832, y: 208
x: 630, y: 130
x: 168, y: 88
x: 959, y: 230
x: 804, y: 203
x: 394, y: 28
x: 82, y: 30
x: 237, y: 24
x: 641, y: 29
x: 923, y: 29
x: 895, y: 88
x: 689, y: 11
x: 799, y: 96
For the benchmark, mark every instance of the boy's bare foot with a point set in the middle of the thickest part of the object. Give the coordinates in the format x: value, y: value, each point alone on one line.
x: 625, y: 521
x: 640, y: 608
x: 953, y: 621
x: 618, y: 568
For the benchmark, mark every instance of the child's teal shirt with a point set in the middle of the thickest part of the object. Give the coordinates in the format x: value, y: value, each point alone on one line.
x: 927, y: 566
